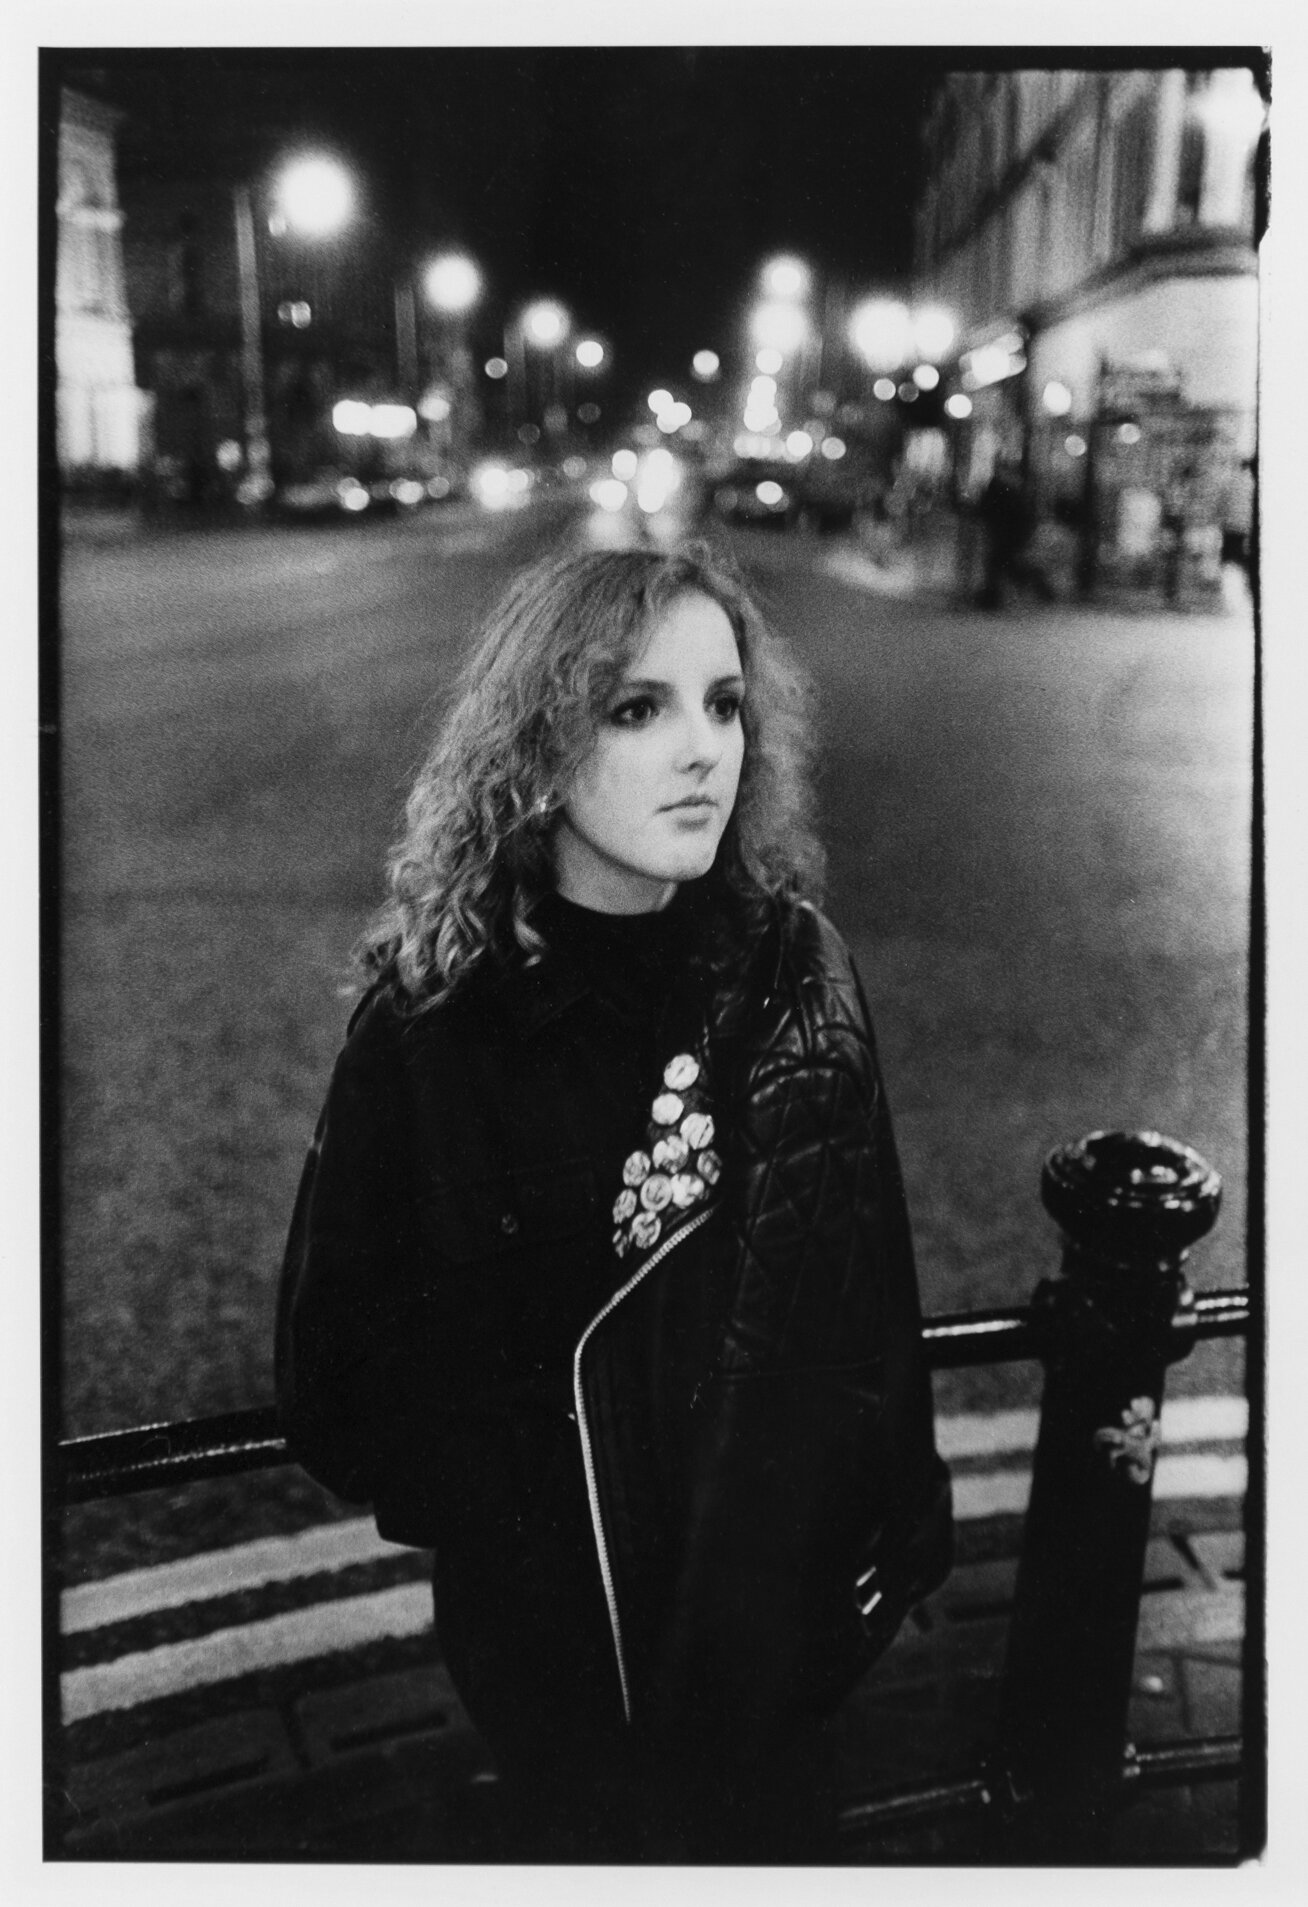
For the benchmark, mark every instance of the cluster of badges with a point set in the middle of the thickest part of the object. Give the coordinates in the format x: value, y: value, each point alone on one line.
x: 680, y: 1168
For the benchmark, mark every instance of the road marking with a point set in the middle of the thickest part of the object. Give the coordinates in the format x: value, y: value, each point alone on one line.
x: 1185, y: 1420
x: 221, y: 1572
x: 326, y: 1628
x: 1005, y: 1492
x: 333, y: 1546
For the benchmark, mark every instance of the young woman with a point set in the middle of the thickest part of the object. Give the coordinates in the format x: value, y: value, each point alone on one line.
x: 599, y: 1282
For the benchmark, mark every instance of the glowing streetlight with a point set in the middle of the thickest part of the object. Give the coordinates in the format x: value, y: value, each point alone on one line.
x: 881, y: 332
x: 926, y: 377
x: 314, y: 196
x: 590, y: 354
x: 934, y: 332
x: 705, y: 365
x: 452, y: 283
x: 785, y: 278
x: 545, y: 323
x: 778, y: 326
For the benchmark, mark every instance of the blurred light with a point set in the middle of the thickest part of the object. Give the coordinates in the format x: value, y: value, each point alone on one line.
x: 1056, y: 398
x: 497, y: 367
x: 588, y: 413
x: 833, y: 447
x: 705, y: 365
x: 908, y: 391
x: 393, y: 421
x: 785, y: 278
x: 823, y: 402
x: 435, y: 407
x: 545, y: 323
x: 590, y: 352
x: 798, y: 445
x: 991, y: 362
x: 452, y: 283
x: 666, y: 422
x: 1231, y: 104
x: 769, y: 359
x: 491, y: 483
x: 659, y: 400
x: 528, y: 433
x: 762, y: 390
x: 574, y: 468
x: 1128, y: 433
x: 352, y: 419
x: 315, y: 196
x: 760, y: 417
x: 295, y: 312
x: 609, y: 493
x: 229, y: 455
x: 881, y: 333
x: 351, y: 494
x: 662, y: 462
x: 624, y: 463
x: 926, y: 377
x: 884, y: 388
x: 408, y: 491
x: 783, y: 327
x: 769, y: 493
x: 438, y: 487
x: 933, y: 331
x: 958, y: 406
x: 1074, y: 446
x: 518, y: 481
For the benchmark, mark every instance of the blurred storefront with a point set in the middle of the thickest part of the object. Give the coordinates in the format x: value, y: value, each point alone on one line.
x: 98, y: 408
x: 1096, y: 234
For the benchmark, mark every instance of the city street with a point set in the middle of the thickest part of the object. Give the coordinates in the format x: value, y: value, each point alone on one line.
x: 1039, y: 832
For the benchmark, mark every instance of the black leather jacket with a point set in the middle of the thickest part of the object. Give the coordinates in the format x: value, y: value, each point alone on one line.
x: 754, y: 1414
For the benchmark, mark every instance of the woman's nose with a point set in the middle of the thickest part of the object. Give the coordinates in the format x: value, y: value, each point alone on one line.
x: 701, y: 740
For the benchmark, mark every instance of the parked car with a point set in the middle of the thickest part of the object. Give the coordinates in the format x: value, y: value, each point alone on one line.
x: 758, y: 493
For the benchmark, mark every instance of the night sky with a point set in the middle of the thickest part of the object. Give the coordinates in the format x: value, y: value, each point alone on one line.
x: 642, y: 187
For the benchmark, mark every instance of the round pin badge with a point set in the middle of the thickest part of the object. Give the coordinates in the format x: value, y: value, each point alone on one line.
x: 710, y: 1167
x: 636, y: 1168
x: 645, y: 1229
x: 686, y: 1188
x: 655, y: 1192
x: 671, y: 1153
x: 623, y: 1206
x: 667, y: 1109
x: 697, y: 1130
x: 681, y: 1072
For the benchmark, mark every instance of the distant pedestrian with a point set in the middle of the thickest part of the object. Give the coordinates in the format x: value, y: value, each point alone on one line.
x: 600, y: 1282
x: 1009, y: 525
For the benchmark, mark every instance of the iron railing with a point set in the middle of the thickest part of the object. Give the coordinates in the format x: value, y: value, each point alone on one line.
x: 1130, y: 1206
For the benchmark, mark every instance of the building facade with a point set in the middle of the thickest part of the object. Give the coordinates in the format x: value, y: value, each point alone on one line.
x: 1094, y: 233
x: 98, y: 409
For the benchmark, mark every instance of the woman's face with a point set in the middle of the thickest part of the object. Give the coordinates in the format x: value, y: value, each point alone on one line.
x: 649, y: 804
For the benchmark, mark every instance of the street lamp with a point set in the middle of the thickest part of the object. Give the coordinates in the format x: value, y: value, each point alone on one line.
x: 785, y: 277
x: 314, y: 195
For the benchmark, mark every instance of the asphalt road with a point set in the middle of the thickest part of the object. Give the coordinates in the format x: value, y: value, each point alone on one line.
x: 1039, y: 827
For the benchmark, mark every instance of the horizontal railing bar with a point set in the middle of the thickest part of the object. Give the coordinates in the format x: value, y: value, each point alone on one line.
x: 160, y: 1456
x: 1168, y: 1765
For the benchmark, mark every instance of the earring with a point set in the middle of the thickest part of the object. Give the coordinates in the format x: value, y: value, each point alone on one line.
x: 543, y: 806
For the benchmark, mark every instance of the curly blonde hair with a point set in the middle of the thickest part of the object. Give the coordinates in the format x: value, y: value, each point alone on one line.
x: 476, y: 856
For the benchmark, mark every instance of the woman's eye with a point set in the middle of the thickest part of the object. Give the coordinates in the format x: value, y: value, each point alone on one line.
x: 726, y: 707
x: 632, y: 714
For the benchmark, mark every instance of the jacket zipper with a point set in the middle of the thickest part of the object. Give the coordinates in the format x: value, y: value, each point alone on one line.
x: 587, y: 1456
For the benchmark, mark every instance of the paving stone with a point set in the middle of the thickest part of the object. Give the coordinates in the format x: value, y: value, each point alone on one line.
x: 1156, y: 1711
x: 210, y: 1755
x: 1212, y: 1697
x: 1179, y: 1619
x: 381, y: 1709
x: 1220, y: 1554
